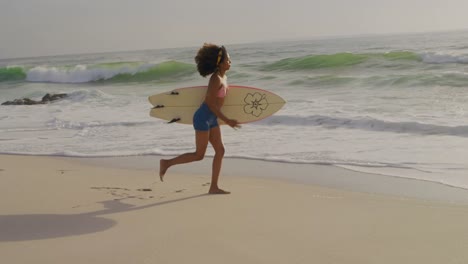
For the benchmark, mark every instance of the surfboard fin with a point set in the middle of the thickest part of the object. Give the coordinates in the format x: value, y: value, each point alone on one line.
x: 174, y: 120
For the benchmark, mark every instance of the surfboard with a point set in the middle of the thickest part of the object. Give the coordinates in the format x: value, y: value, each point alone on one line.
x: 242, y: 103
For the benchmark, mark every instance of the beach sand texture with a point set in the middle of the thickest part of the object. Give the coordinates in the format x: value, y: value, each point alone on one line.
x: 61, y: 210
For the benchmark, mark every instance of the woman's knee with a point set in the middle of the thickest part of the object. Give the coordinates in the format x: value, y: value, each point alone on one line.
x: 199, y: 156
x: 220, y: 151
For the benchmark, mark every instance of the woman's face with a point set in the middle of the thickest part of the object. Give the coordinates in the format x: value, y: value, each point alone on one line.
x: 226, y: 63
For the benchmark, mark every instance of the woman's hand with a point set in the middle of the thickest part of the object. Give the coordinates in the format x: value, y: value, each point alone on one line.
x: 233, y: 123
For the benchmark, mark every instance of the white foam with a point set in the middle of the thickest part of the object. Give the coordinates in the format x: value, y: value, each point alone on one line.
x: 440, y: 58
x: 79, y: 73
x: 370, y: 124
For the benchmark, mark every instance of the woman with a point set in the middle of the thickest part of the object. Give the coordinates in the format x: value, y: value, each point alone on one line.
x: 215, y: 61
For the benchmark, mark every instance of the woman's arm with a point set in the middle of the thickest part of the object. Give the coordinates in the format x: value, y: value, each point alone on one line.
x: 214, y: 102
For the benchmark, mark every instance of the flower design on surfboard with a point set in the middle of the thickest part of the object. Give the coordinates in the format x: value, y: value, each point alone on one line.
x: 255, y: 104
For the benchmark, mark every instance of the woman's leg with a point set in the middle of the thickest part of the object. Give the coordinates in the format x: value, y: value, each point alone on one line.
x: 218, y: 146
x: 201, y: 141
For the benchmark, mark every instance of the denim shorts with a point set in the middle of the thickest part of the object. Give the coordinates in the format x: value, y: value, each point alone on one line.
x: 204, y: 119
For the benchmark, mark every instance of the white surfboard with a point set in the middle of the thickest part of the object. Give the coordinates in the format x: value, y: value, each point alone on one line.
x: 244, y: 104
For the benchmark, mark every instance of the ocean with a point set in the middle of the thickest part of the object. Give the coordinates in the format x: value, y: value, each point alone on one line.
x: 387, y: 104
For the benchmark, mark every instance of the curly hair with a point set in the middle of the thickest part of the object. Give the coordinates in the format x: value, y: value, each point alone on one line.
x: 207, y: 58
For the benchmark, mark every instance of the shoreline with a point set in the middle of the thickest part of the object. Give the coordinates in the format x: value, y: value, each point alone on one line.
x: 328, y: 176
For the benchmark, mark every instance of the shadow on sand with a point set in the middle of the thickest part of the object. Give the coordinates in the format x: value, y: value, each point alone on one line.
x: 44, y: 226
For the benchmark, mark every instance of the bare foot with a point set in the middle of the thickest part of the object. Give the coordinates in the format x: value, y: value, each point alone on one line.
x: 217, y: 191
x: 162, y: 168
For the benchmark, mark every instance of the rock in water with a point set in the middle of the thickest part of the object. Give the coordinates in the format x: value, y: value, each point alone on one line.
x: 45, y: 100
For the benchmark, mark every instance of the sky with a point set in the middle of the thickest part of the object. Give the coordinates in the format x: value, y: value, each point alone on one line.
x: 32, y: 28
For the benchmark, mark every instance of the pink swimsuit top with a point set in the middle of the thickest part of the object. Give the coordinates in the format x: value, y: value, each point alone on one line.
x: 223, y: 91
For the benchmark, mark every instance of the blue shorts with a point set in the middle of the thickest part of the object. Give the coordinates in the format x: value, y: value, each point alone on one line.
x: 204, y: 119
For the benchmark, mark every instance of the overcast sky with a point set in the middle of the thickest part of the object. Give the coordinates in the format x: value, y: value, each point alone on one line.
x: 51, y: 27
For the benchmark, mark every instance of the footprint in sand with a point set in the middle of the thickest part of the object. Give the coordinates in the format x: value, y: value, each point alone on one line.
x: 125, y: 193
x: 145, y: 190
x: 110, y: 188
x: 179, y: 191
x: 206, y: 184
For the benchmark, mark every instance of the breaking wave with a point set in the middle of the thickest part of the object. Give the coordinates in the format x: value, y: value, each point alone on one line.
x: 311, y: 62
x: 119, y: 72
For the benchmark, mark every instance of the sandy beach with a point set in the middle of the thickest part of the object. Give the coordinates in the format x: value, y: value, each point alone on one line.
x: 72, y: 210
